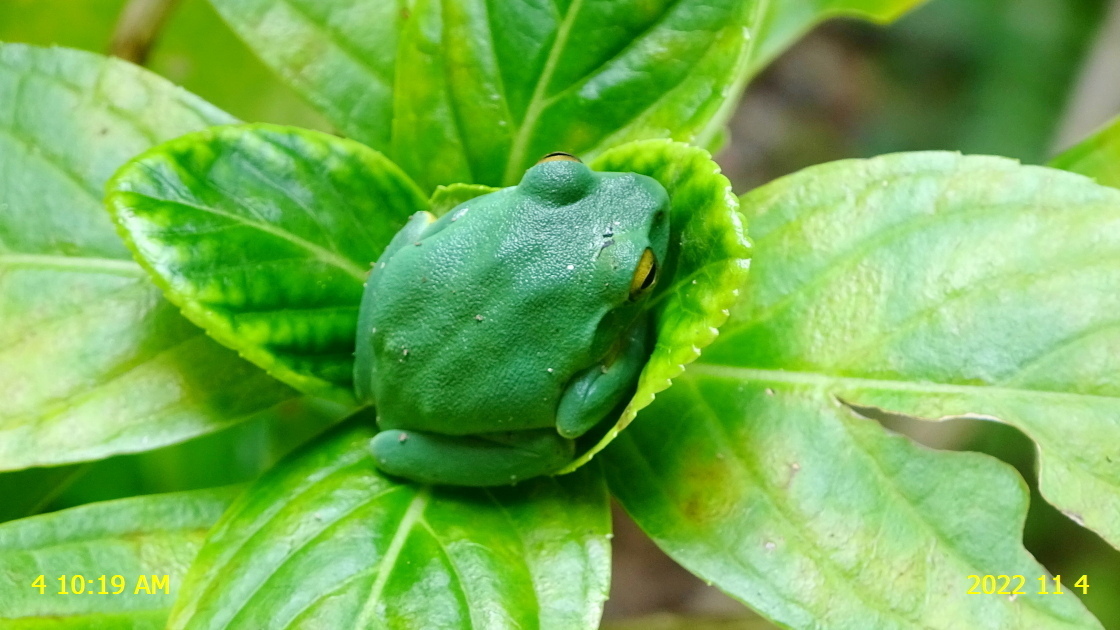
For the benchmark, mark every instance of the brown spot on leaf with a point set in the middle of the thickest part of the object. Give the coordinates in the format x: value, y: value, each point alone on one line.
x: 710, y: 498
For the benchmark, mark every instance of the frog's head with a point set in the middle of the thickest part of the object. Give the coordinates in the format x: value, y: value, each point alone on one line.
x: 620, y: 221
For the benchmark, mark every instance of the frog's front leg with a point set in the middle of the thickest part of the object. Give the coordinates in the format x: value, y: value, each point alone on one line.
x: 593, y: 393
x: 491, y: 459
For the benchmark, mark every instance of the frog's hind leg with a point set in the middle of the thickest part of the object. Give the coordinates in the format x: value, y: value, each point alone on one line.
x: 491, y: 459
x: 593, y: 393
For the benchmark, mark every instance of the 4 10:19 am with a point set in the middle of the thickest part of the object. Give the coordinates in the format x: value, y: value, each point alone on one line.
x: 105, y: 585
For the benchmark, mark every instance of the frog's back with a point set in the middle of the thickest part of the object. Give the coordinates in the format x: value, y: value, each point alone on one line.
x: 480, y: 325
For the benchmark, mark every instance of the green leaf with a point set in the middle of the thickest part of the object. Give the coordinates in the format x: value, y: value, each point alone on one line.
x: 708, y: 261
x: 93, y: 361
x: 817, y: 518
x: 339, y: 54
x: 263, y: 235
x: 931, y: 285
x: 324, y: 540
x: 238, y: 454
x: 153, y: 536
x: 936, y: 285
x: 472, y: 91
x: 779, y: 23
x: 447, y: 197
x: 1098, y: 156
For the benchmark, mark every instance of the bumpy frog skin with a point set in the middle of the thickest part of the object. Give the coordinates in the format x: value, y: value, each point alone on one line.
x: 492, y: 337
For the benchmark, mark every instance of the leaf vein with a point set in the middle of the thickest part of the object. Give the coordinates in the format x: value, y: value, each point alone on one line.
x: 316, y: 535
x: 412, y: 514
x: 824, y: 559
x: 536, y: 101
x: 323, y: 254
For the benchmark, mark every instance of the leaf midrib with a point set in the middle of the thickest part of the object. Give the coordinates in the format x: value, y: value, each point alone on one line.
x: 323, y: 254
x: 157, y: 612
x: 111, y: 266
x: 795, y: 377
x: 138, y: 532
x: 1035, y: 431
x: 904, y: 500
x: 537, y: 101
x: 816, y: 549
x: 411, y: 516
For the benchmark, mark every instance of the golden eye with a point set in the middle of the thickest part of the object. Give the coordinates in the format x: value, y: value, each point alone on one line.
x: 645, y: 276
x: 559, y: 156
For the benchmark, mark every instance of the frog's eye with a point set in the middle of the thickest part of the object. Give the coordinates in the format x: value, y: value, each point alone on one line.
x: 559, y: 156
x: 645, y: 276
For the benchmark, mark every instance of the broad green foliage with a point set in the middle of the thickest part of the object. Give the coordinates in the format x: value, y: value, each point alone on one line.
x: 876, y: 289
x: 325, y: 540
x: 1097, y: 156
x: 237, y: 454
x: 156, y: 535
x: 264, y: 235
x: 817, y: 518
x: 339, y: 54
x: 708, y: 259
x: 475, y: 91
x: 93, y: 361
x: 88, y: 24
x: 927, y: 284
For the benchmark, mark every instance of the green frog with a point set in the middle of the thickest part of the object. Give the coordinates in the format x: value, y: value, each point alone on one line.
x: 492, y: 337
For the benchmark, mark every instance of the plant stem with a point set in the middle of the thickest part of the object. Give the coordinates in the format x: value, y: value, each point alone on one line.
x: 138, y: 27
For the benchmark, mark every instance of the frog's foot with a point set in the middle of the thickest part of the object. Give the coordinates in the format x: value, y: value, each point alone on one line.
x: 491, y: 459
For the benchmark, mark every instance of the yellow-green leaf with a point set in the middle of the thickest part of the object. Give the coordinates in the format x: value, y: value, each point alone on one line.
x: 264, y: 235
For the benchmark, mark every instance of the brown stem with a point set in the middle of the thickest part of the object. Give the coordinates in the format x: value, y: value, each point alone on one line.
x: 138, y: 28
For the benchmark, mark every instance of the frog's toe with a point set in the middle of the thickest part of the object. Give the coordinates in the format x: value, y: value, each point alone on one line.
x: 486, y: 460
